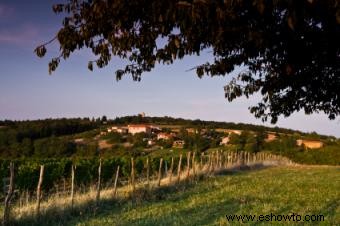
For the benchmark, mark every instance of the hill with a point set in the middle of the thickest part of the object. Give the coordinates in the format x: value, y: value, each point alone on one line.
x: 85, y: 138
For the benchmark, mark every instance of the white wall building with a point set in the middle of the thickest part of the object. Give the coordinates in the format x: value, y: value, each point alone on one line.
x: 139, y: 128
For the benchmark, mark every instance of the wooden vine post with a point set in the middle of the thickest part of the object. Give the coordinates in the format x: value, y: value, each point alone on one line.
x: 240, y: 158
x: 115, y: 183
x: 148, y: 172
x: 41, y: 176
x: 179, y: 168
x: 73, y: 168
x: 220, y: 159
x: 201, y: 161
x: 188, y: 164
x: 209, y: 163
x: 193, y: 164
x: 160, y: 172
x: 216, y: 160
x: 133, y: 175
x: 9, y: 195
x: 232, y: 154
x: 99, y: 181
x: 171, y: 169
x: 226, y: 159
x: 212, y: 162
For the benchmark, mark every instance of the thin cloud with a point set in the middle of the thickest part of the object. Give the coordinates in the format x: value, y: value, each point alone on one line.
x: 25, y: 35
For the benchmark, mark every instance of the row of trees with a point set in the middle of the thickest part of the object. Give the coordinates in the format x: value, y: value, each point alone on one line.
x: 41, y: 138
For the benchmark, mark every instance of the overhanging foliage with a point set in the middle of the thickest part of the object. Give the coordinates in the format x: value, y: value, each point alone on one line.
x: 291, y: 49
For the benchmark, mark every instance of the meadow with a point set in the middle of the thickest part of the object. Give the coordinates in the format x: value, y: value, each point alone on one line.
x: 302, y: 190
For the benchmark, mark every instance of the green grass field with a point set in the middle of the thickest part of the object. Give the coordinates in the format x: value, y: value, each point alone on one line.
x: 279, y: 190
x: 302, y: 191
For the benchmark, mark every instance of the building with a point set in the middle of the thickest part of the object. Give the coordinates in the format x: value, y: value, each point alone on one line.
x: 155, y: 129
x: 270, y: 137
x: 309, y: 144
x: 225, y: 140
x: 141, y: 114
x: 178, y: 144
x: 164, y: 136
x: 122, y: 130
x: 139, y: 128
x: 117, y: 129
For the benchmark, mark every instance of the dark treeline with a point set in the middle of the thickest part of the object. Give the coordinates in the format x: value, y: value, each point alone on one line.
x: 23, y: 138
x: 37, y: 129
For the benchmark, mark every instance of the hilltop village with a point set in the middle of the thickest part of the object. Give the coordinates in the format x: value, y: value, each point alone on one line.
x: 142, y: 135
x: 153, y: 133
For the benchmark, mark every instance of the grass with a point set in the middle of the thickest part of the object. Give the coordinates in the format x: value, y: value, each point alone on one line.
x: 280, y: 190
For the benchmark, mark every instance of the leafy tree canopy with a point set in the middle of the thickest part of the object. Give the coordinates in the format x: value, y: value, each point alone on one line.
x: 290, y: 49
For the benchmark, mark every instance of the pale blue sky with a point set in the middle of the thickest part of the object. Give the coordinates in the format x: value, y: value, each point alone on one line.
x: 28, y: 92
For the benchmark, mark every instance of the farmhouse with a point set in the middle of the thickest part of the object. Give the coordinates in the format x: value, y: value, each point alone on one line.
x: 225, y: 140
x: 310, y: 144
x: 139, y: 128
x: 122, y: 130
x: 270, y: 137
x: 164, y: 136
x: 155, y: 129
x: 118, y: 129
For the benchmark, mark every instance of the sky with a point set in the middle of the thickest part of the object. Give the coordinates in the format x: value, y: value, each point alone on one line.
x: 27, y: 91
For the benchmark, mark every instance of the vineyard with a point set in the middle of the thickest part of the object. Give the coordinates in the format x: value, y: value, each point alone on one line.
x: 37, y: 184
